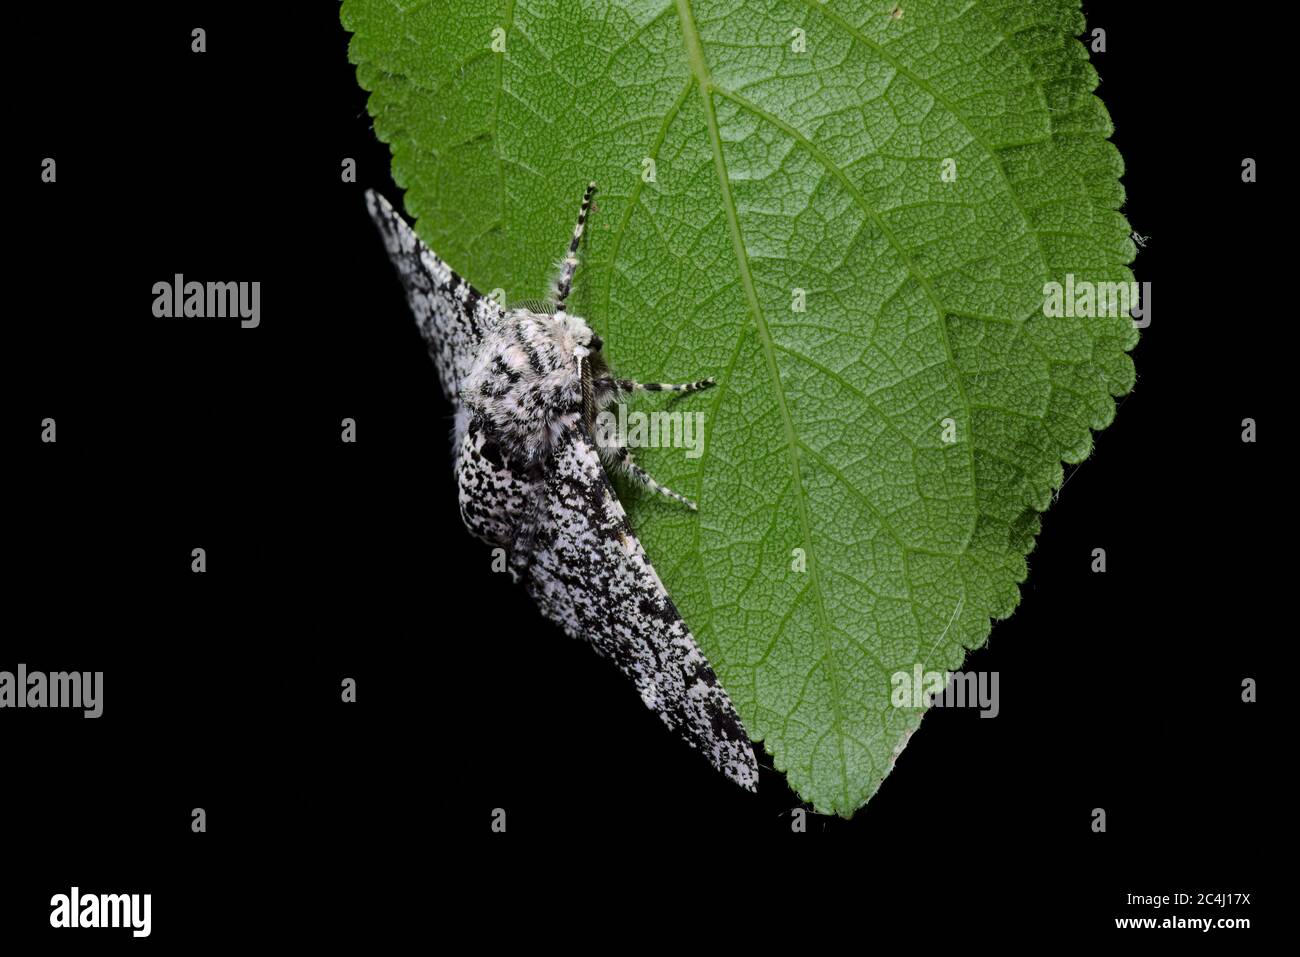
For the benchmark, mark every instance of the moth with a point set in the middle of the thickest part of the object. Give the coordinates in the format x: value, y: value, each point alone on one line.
x: 527, y: 384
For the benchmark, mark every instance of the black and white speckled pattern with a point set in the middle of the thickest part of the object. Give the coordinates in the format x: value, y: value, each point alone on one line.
x: 452, y: 315
x: 530, y: 478
x: 496, y: 496
x: 590, y: 574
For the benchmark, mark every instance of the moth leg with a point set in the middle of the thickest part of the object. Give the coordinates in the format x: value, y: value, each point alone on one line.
x: 621, y: 459
x: 570, y: 265
x: 631, y: 385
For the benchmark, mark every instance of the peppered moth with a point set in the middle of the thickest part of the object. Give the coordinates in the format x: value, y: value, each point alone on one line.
x: 527, y: 384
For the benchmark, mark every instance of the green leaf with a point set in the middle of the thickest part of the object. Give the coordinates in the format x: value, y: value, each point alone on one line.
x: 777, y: 170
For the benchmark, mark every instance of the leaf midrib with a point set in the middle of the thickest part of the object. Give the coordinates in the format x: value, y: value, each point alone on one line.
x: 704, y: 81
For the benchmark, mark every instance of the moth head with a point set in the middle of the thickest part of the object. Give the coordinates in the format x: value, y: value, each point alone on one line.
x: 585, y: 341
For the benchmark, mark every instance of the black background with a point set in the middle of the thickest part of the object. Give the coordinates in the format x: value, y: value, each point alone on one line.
x: 328, y: 560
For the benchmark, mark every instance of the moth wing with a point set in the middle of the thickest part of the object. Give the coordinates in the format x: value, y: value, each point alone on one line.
x: 497, y: 497
x: 588, y: 572
x: 452, y: 315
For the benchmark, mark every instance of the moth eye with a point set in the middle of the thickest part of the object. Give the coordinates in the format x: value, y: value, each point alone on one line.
x: 597, y: 342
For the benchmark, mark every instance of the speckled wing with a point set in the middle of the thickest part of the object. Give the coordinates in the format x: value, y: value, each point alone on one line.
x: 452, y: 315
x: 588, y: 572
x: 497, y: 497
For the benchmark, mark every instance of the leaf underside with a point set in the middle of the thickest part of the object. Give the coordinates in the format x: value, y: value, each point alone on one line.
x: 840, y: 538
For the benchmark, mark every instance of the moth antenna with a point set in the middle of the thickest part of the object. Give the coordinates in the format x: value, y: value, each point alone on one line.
x: 570, y: 263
